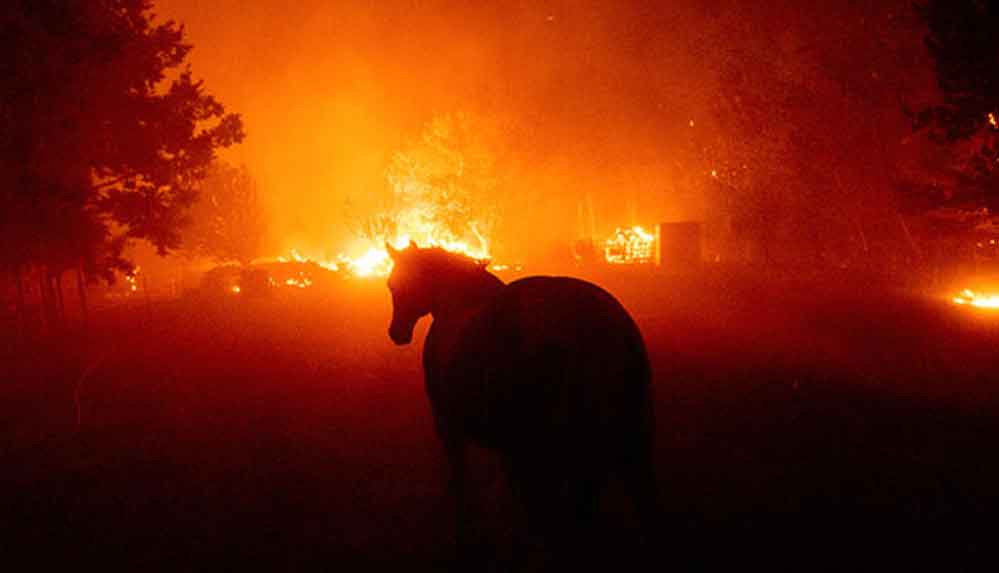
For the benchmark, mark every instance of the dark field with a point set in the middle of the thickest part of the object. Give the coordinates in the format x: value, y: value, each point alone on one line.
x: 799, y: 426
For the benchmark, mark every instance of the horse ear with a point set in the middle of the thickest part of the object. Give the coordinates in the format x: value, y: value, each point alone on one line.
x: 392, y: 251
x: 412, y: 244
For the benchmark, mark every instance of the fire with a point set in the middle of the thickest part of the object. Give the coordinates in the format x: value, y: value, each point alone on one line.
x: 132, y: 279
x: 294, y: 255
x: 993, y: 121
x: 969, y: 297
x: 375, y: 261
x: 630, y: 245
x: 301, y: 282
x: 438, y: 194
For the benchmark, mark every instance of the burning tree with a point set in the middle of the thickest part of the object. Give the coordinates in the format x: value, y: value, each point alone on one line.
x: 441, y: 190
x: 227, y: 220
x: 444, y: 185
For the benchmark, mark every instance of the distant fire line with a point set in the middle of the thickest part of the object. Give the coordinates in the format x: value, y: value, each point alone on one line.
x: 969, y: 297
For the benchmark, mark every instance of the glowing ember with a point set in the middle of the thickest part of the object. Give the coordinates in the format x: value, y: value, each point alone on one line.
x: 971, y: 298
x: 993, y: 121
x: 236, y: 289
x: 297, y: 257
x: 300, y: 282
x: 132, y: 279
x: 631, y: 245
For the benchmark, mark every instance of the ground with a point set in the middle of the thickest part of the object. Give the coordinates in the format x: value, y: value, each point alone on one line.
x: 801, y: 424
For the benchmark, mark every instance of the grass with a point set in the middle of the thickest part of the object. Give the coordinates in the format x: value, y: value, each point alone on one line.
x: 800, y: 425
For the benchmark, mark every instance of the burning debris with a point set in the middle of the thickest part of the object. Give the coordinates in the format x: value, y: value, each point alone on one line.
x: 633, y: 245
x: 132, y: 279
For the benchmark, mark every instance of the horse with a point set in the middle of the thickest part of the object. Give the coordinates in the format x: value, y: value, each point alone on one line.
x: 549, y: 372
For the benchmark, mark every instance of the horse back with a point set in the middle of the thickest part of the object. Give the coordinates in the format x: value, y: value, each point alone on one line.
x: 549, y: 357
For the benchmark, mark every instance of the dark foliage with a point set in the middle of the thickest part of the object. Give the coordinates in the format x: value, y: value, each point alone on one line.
x: 962, y: 41
x: 106, y: 132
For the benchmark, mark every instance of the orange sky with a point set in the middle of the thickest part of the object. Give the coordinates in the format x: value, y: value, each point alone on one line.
x: 328, y: 90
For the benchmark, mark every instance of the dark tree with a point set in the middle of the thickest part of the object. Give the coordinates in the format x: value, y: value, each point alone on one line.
x: 961, y: 39
x: 955, y: 192
x: 105, y: 134
x: 805, y: 136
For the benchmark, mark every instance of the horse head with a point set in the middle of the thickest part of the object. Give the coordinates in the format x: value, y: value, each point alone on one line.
x: 411, y: 292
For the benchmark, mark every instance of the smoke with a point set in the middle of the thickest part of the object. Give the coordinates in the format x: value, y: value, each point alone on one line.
x: 598, y: 96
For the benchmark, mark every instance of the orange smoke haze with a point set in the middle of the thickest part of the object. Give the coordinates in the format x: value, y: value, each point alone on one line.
x: 600, y: 98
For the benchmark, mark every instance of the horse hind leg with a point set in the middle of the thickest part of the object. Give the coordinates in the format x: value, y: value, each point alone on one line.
x: 638, y: 473
x: 561, y: 504
x: 539, y: 492
x: 582, y: 539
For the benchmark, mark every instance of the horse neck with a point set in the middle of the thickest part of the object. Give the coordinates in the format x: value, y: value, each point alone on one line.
x: 464, y: 292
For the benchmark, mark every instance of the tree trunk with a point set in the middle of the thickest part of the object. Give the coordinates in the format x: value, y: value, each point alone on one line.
x: 57, y: 282
x: 44, y: 299
x: 81, y: 286
x: 145, y: 292
x: 51, y: 302
x: 908, y: 237
x: 22, y: 318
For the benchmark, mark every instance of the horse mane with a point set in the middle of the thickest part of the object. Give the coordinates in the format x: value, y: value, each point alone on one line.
x: 446, y: 262
x: 455, y: 272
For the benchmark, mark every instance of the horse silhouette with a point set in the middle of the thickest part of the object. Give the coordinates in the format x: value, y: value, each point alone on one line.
x: 550, y: 372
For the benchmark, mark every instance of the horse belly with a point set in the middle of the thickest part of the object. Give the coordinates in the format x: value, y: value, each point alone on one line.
x: 552, y: 388
x: 555, y: 362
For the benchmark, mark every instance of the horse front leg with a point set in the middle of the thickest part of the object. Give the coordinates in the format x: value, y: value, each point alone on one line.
x: 457, y: 466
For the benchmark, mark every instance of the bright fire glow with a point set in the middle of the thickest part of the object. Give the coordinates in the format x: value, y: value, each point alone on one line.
x: 132, y: 279
x: 236, y: 289
x: 630, y: 245
x: 300, y: 282
x: 971, y: 298
x: 993, y: 121
x: 375, y: 261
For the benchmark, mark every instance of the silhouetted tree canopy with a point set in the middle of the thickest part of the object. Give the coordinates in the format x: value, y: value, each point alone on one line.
x: 962, y: 41
x: 105, y: 131
x: 805, y: 140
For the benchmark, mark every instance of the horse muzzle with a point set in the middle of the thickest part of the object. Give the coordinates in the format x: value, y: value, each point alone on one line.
x: 400, y: 334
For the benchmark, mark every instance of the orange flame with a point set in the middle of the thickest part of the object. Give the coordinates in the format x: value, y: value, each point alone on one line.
x: 376, y: 262
x: 631, y: 245
x: 969, y: 297
x: 132, y: 279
